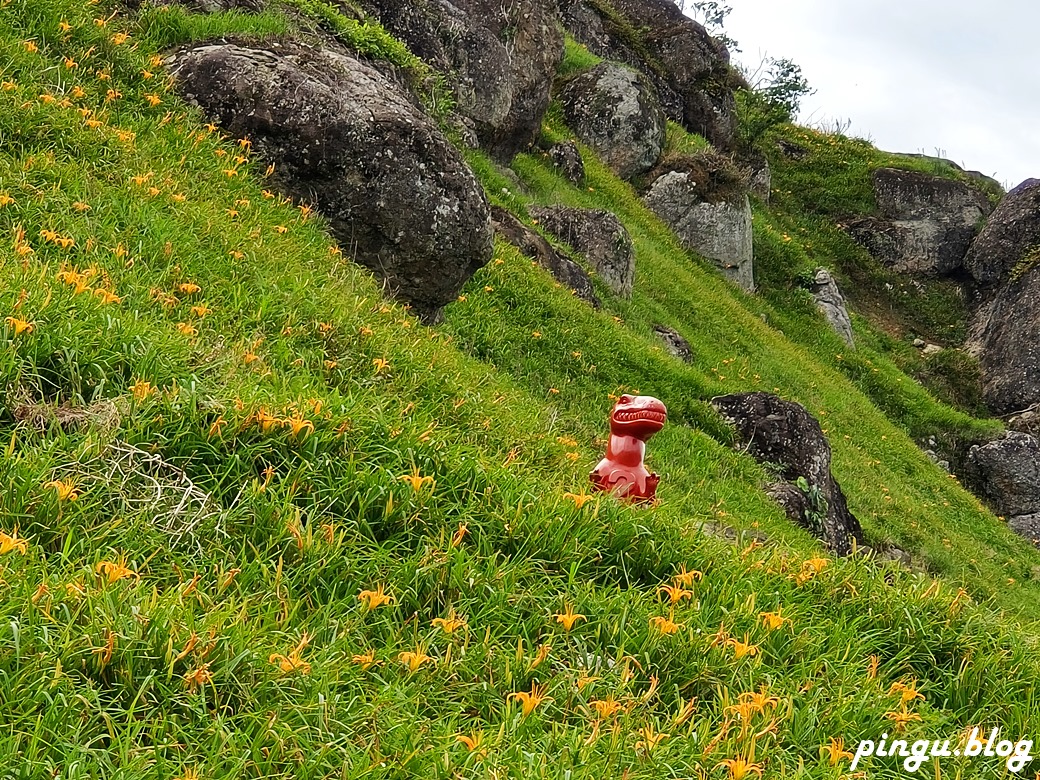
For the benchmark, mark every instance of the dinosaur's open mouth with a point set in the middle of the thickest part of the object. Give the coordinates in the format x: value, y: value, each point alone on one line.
x: 647, y: 415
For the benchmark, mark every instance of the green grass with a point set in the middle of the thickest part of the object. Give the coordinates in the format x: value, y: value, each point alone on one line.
x: 237, y: 409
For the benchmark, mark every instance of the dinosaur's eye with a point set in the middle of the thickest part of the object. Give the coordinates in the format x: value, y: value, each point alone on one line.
x: 626, y: 399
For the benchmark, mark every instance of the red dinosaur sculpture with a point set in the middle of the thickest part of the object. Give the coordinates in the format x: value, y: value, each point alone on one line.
x: 634, y: 420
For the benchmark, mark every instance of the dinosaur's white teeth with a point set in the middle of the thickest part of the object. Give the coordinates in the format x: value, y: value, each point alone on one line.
x: 645, y: 414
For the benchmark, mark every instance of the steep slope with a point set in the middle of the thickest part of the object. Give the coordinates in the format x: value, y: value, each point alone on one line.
x: 223, y: 446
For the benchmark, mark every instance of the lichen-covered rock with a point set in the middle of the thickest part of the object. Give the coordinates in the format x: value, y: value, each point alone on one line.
x: 347, y: 140
x: 563, y: 269
x: 1011, y: 233
x: 600, y: 237
x: 719, y: 231
x: 674, y: 342
x: 831, y: 304
x: 499, y: 55
x: 567, y: 158
x: 1007, y: 473
x: 783, y: 434
x: 689, y: 69
x: 926, y: 222
x: 614, y: 110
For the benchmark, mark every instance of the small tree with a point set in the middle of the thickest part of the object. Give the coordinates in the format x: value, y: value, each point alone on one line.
x: 774, y: 97
x: 712, y: 15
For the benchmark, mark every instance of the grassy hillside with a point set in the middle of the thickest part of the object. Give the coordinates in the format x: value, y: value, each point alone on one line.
x: 223, y: 449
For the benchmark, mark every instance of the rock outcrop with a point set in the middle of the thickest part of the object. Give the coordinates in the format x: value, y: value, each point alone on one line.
x: 1007, y: 472
x: 1012, y: 232
x: 689, y: 69
x: 563, y: 269
x: 567, y: 158
x: 600, y: 237
x: 614, y: 110
x: 499, y: 56
x: 347, y: 140
x: 674, y: 342
x: 831, y: 304
x: 1004, y: 334
x: 926, y: 223
x: 721, y: 231
x: 784, y: 435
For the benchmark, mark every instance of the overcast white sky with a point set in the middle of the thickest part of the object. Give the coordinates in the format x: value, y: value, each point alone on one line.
x: 955, y: 76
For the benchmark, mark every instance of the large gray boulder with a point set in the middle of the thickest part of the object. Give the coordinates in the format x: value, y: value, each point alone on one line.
x: 831, y: 304
x: 783, y: 435
x: 1005, y: 336
x: 600, y: 237
x: 534, y: 245
x: 614, y: 110
x: 689, y: 69
x: 1004, y: 261
x: 1012, y: 232
x: 720, y: 231
x: 348, y: 140
x: 926, y: 223
x: 500, y: 57
x: 1007, y: 472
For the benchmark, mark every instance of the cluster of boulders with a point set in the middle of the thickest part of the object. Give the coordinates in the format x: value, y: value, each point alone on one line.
x: 928, y: 225
x: 352, y: 138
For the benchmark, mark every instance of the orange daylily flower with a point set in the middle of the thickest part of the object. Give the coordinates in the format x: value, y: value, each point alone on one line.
x: 471, y: 741
x: 11, y: 543
x: 650, y: 739
x: 773, y: 620
x: 606, y: 708
x: 529, y: 701
x: 665, y: 625
x: 198, y: 677
x: 365, y: 660
x: 675, y: 592
x: 579, y: 499
x: 375, y: 598
x: 416, y: 480
x: 415, y: 659
x: 115, y: 571
x: 294, y: 661
x: 835, y: 751
x: 449, y: 624
x: 19, y: 326
x: 66, y: 489
x: 568, y: 618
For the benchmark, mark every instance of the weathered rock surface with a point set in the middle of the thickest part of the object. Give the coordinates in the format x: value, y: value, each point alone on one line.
x: 1005, y: 336
x: 689, y: 69
x: 720, y: 231
x: 567, y: 158
x: 1026, y: 526
x: 673, y: 341
x: 1013, y: 230
x: 1026, y: 421
x: 1004, y: 261
x: 600, y: 237
x: 926, y: 222
x: 500, y: 56
x: 347, y: 140
x: 1007, y: 472
x: 563, y: 269
x: 614, y: 110
x: 831, y: 303
x: 784, y: 435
